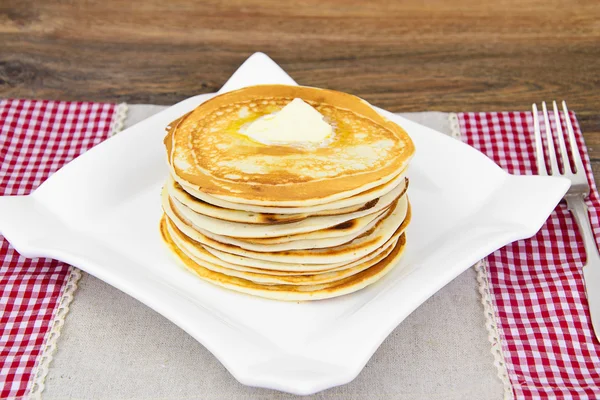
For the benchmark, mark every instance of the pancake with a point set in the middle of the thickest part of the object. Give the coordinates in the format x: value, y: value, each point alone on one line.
x: 208, y: 152
x: 381, y: 233
x: 206, y: 260
x: 177, y: 192
x: 344, y: 223
x: 279, y: 269
x: 360, y: 201
x: 311, y: 240
x: 289, y: 292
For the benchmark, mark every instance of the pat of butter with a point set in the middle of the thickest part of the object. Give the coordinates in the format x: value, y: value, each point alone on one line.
x: 294, y: 123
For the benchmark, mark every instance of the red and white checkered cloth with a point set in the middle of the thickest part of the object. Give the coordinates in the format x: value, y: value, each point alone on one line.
x: 36, y: 139
x: 537, y: 285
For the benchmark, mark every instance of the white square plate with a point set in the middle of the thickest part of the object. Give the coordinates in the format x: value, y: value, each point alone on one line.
x: 100, y: 213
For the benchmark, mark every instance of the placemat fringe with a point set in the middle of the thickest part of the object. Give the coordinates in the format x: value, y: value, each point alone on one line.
x: 57, y: 323
x: 492, y: 328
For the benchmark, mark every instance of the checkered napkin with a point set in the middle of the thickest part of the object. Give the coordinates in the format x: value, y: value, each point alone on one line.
x: 536, y: 285
x: 36, y: 139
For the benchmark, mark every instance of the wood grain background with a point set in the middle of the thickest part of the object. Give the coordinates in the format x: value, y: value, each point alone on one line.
x: 413, y: 55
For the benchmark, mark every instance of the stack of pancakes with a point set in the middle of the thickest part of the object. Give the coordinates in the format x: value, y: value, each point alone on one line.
x: 291, y: 222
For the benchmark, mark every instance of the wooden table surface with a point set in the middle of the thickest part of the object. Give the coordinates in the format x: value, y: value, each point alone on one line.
x: 413, y: 55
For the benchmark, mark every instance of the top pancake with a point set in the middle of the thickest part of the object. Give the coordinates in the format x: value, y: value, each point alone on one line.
x: 208, y: 151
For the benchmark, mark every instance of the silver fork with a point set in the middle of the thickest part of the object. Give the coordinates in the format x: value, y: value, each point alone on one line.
x: 575, y: 197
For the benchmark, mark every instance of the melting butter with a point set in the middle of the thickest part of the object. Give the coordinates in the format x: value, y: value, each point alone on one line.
x: 294, y: 123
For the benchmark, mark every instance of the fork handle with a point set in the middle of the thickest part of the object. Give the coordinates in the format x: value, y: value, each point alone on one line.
x: 576, y: 204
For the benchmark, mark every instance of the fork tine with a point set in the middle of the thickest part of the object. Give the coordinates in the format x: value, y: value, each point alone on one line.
x: 561, y: 140
x: 572, y: 142
x: 539, y: 149
x: 550, y: 141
